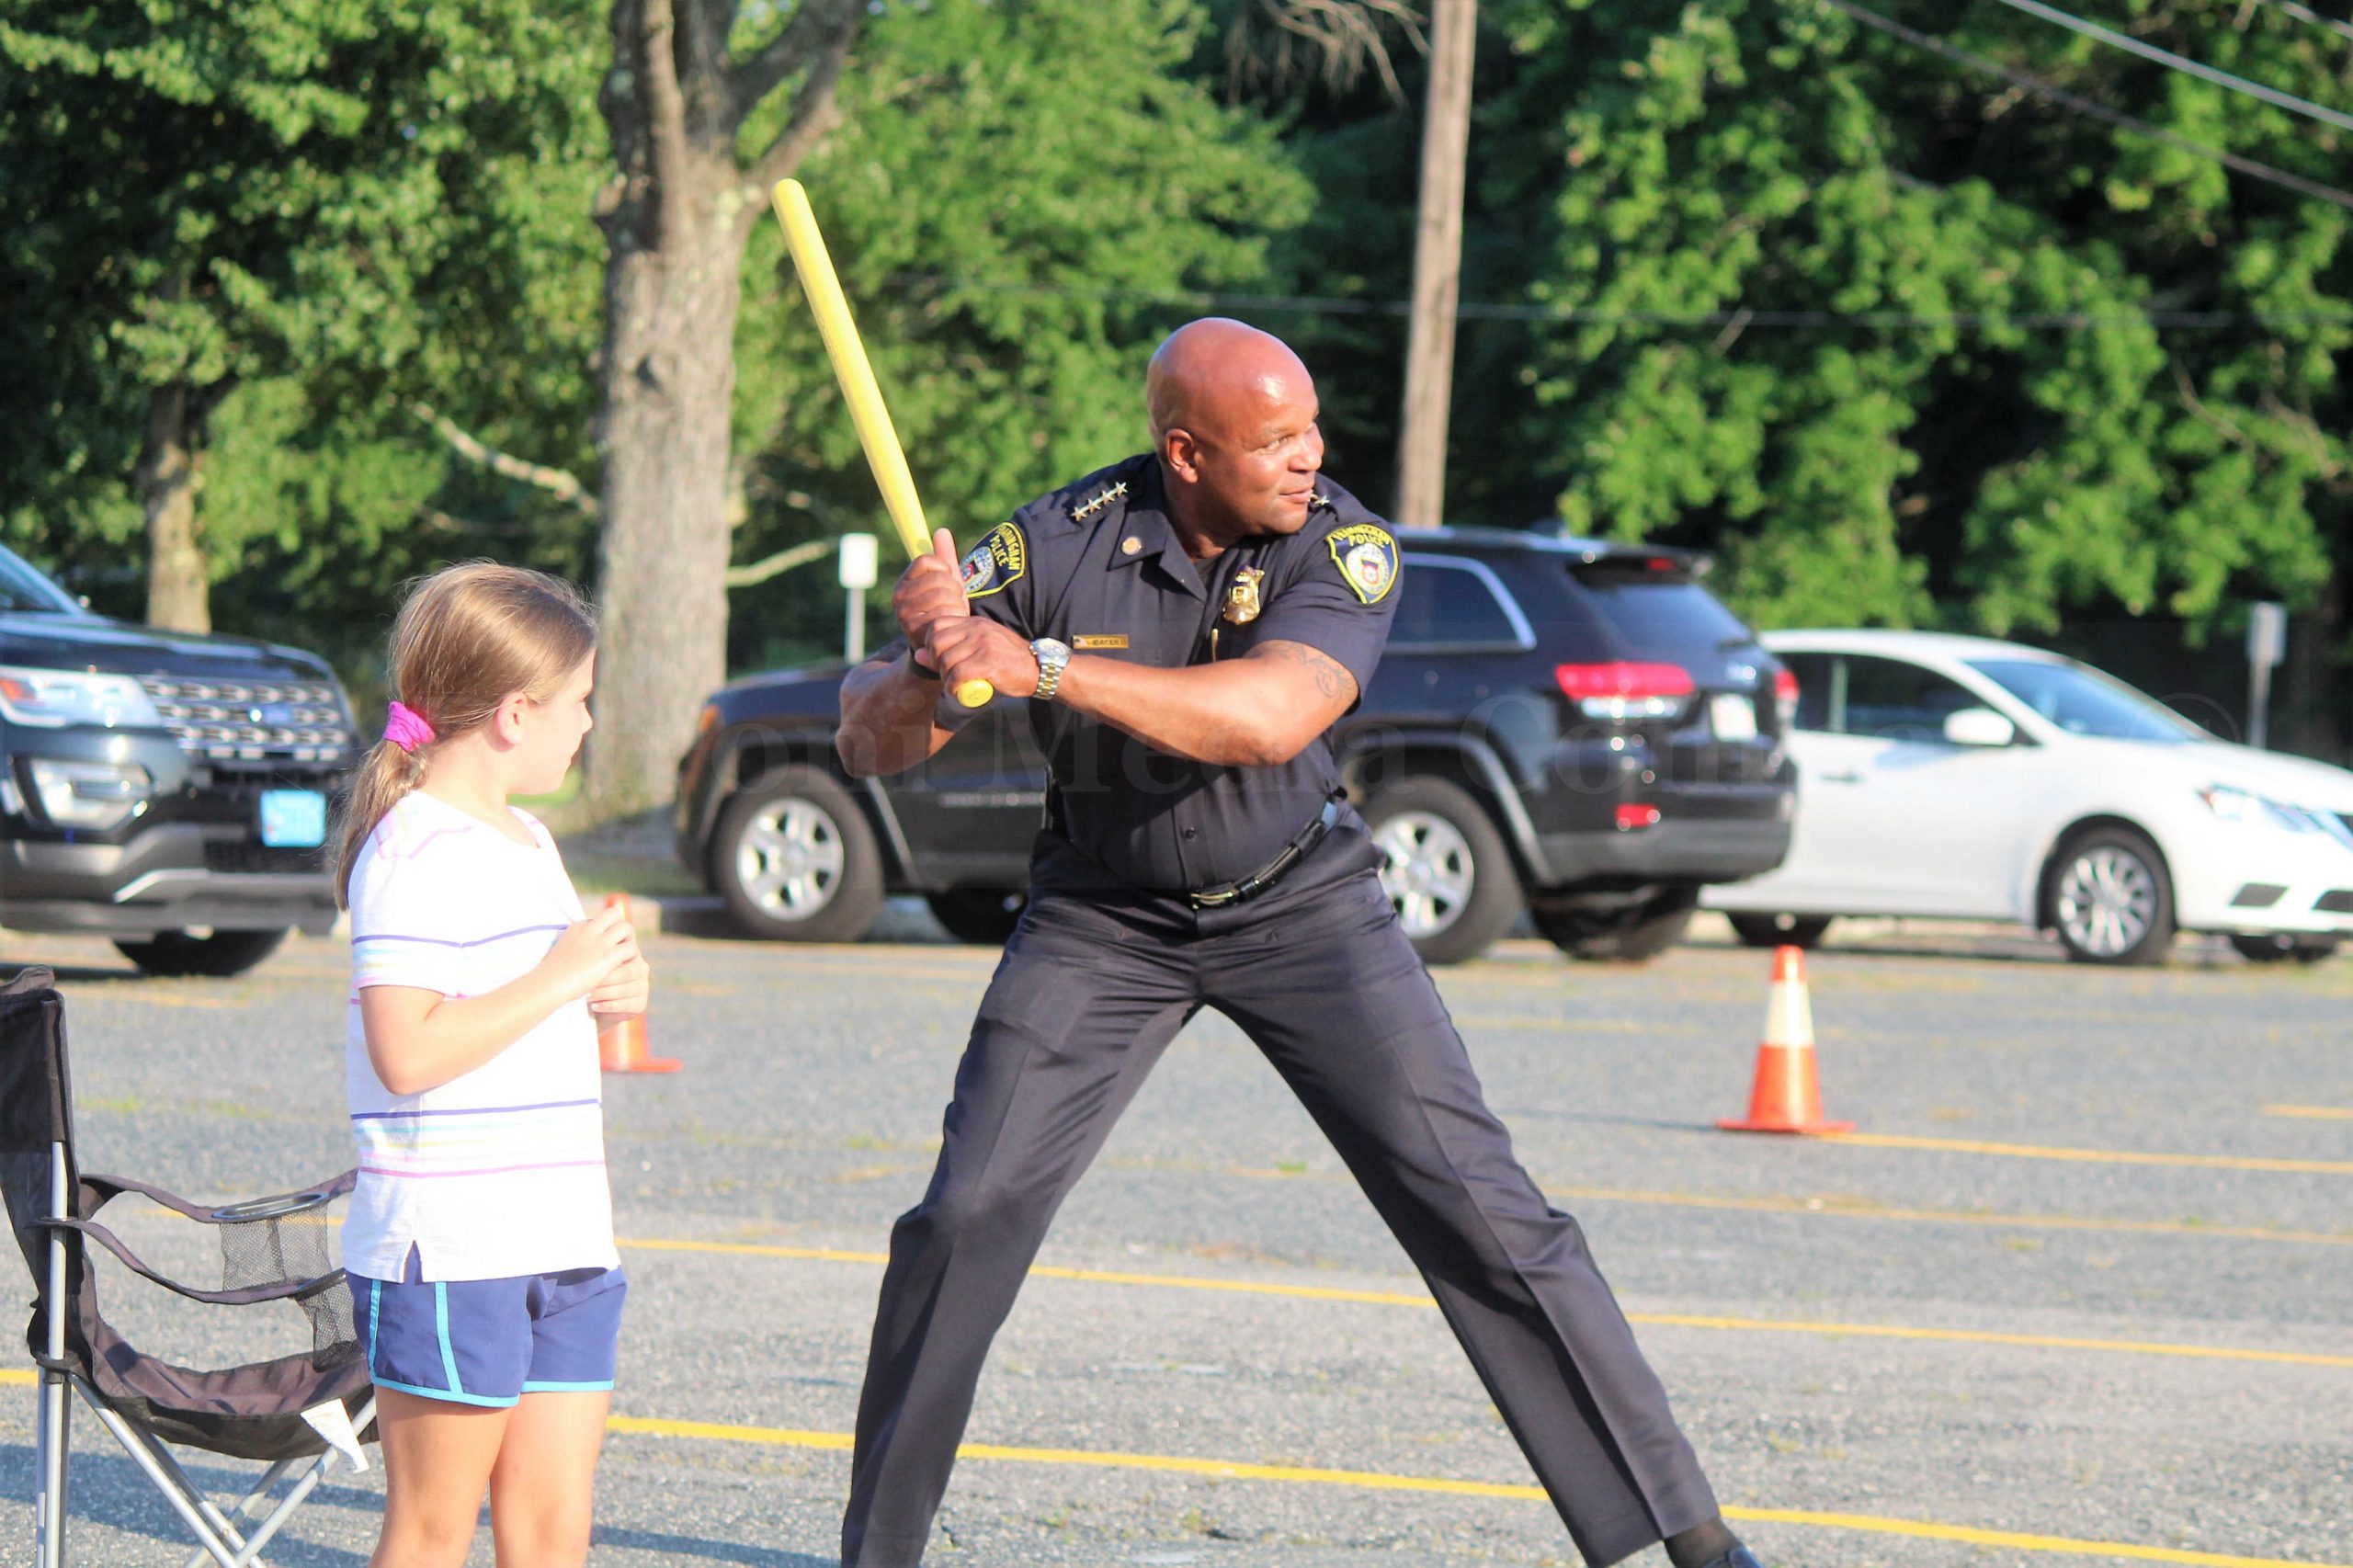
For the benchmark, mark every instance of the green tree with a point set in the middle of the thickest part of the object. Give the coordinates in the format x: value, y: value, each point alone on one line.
x: 1016, y: 150
x: 1904, y: 357
x: 1017, y: 199
x: 199, y: 198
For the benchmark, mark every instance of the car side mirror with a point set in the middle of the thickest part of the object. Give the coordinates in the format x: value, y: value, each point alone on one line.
x: 1979, y: 727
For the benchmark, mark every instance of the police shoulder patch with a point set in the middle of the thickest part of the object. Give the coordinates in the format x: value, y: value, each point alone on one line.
x: 1366, y: 558
x: 996, y: 562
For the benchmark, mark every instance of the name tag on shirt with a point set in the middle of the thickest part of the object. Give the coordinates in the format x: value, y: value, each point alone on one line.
x: 1098, y: 642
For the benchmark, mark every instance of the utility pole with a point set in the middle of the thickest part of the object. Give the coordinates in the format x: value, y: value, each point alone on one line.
x: 1437, y: 266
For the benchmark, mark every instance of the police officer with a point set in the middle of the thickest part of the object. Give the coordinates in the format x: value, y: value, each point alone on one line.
x: 1188, y: 626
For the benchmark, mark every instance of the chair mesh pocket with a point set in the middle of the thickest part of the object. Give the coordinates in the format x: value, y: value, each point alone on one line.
x: 262, y: 1245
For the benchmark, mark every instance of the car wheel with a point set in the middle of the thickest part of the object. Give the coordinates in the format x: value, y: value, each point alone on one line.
x: 795, y: 861
x: 1634, y: 935
x: 220, y: 954
x: 985, y: 915
x: 1443, y: 868
x: 2110, y: 898
x: 2280, y: 946
x: 1780, y: 930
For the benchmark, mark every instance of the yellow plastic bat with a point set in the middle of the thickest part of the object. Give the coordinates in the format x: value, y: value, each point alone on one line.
x: 842, y: 346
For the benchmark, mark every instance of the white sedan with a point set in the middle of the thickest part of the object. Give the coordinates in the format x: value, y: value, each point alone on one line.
x: 1976, y: 779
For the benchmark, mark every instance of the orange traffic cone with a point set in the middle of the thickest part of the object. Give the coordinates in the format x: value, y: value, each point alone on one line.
x: 622, y: 1043
x: 1785, y: 1099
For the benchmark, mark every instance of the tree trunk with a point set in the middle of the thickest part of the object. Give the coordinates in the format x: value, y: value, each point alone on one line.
x: 178, y: 584
x: 1437, y: 266
x: 669, y: 377
x: 677, y: 217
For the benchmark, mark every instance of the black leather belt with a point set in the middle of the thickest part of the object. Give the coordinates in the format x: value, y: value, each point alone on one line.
x: 1270, y: 873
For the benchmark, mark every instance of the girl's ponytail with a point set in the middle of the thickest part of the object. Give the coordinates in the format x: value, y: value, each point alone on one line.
x: 384, y: 775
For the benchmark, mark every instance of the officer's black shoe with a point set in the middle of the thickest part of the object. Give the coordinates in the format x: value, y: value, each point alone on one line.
x: 1738, y: 1557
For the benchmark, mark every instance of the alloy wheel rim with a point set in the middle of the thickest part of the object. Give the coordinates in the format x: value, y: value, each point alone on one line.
x: 2107, y: 899
x: 790, y: 859
x: 1427, y: 870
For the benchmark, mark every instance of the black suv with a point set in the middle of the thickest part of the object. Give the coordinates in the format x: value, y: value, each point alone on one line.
x: 1573, y: 727
x: 167, y: 790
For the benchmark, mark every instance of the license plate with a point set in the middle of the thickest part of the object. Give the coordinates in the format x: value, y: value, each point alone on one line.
x: 1734, y: 716
x: 293, y: 819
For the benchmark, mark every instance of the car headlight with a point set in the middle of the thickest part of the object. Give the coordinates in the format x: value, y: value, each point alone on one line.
x: 96, y: 795
x: 2251, y: 810
x: 50, y: 700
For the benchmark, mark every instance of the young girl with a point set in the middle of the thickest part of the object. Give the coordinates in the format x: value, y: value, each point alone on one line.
x: 480, y: 1240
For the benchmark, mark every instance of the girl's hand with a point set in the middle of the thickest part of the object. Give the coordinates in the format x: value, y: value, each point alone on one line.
x: 588, y: 952
x: 624, y: 991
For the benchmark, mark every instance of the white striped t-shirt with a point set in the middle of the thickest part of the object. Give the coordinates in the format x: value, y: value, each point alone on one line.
x: 499, y: 1172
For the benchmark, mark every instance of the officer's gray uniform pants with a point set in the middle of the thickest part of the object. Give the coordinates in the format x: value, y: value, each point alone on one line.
x: 1324, y: 983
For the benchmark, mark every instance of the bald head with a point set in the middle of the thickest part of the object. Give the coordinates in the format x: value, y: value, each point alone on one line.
x: 1234, y: 416
x: 1210, y: 373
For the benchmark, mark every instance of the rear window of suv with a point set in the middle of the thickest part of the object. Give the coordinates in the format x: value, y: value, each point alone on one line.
x: 1670, y: 621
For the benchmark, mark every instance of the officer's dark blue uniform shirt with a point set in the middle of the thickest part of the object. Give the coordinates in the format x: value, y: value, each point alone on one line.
x: 1099, y: 565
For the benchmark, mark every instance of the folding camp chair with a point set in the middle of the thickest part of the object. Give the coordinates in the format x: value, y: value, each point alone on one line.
x: 295, y: 1412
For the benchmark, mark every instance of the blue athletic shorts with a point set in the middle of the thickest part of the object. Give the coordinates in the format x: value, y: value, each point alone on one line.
x: 489, y: 1342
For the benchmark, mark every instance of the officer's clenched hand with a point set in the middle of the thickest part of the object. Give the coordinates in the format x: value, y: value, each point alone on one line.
x: 976, y: 648
x: 929, y: 591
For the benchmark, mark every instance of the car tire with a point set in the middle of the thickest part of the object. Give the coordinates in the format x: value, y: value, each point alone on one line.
x: 2107, y: 894
x: 2279, y: 947
x: 1780, y: 930
x: 179, y: 954
x: 795, y: 861
x: 985, y: 916
x: 1630, y: 935
x: 1444, y: 867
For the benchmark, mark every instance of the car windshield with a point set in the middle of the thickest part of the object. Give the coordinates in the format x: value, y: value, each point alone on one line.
x: 22, y: 588
x: 2082, y: 701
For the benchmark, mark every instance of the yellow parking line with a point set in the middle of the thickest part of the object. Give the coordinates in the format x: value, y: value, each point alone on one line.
x: 1983, y: 1336
x: 2097, y: 1157
x: 1921, y: 1529
x: 1665, y: 1320
x: 1844, y: 1209
x: 1864, y: 1208
x: 20, y: 1379
x: 2312, y: 1112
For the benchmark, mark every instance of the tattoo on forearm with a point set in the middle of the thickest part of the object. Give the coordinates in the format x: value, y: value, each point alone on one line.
x: 1331, y: 677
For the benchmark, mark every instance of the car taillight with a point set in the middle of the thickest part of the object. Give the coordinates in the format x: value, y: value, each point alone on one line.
x: 1636, y: 817
x: 1785, y: 697
x: 1622, y: 690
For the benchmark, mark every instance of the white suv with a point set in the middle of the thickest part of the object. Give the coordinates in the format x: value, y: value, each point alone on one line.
x: 1971, y: 779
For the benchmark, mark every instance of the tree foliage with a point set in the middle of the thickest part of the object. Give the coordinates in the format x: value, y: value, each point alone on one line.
x: 1901, y: 341
x: 1015, y: 195
x: 305, y: 214
x: 1910, y: 347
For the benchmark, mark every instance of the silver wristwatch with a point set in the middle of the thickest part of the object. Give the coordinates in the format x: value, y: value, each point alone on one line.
x: 1052, y: 658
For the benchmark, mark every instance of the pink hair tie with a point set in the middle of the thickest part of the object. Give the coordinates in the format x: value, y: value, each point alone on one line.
x: 406, y: 728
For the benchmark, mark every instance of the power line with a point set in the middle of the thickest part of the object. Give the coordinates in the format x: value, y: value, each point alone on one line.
x: 2305, y: 14
x: 2081, y: 105
x: 2183, y: 62
x: 1898, y: 321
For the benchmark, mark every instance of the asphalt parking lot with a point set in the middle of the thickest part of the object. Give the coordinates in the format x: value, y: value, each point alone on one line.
x: 2076, y: 1292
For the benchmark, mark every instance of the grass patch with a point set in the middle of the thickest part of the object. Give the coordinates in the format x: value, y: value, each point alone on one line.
x: 593, y: 872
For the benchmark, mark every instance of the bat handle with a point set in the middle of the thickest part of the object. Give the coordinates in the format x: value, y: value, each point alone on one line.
x: 974, y: 693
